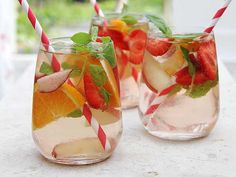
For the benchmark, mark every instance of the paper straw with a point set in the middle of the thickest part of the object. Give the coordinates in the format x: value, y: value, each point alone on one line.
x: 39, y: 30
x: 162, y: 97
x: 96, y: 127
x: 217, y: 16
x: 97, y: 8
x: 56, y: 66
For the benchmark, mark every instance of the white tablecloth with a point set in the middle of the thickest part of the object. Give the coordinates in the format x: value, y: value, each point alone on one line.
x: 138, y: 153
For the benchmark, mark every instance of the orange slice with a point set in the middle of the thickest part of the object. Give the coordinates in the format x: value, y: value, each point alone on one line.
x: 111, y: 85
x: 48, y: 107
x: 118, y: 25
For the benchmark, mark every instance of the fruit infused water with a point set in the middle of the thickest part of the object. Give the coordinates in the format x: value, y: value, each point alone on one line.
x: 75, y: 108
x: 179, y: 93
x: 129, y: 34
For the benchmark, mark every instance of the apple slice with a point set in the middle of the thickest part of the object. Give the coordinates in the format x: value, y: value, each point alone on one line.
x: 53, y: 82
x: 173, y: 62
x: 76, y: 148
x: 153, y: 74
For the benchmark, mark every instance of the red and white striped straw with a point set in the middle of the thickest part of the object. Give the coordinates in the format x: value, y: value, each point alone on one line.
x: 97, y: 8
x: 56, y: 66
x: 164, y: 94
x: 97, y: 128
x: 217, y: 16
x: 39, y: 30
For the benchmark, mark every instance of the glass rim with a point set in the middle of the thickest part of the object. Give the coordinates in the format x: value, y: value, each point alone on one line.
x: 188, y: 36
x: 54, y: 44
x: 111, y: 15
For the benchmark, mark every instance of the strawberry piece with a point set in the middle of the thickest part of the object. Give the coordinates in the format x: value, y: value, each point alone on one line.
x: 207, y: 57
x: 137, y: 44
x: 94, y: 99
x: 183, y: 77
x: 118, y: 39
x: 102, y: 31
x: 158, y: 47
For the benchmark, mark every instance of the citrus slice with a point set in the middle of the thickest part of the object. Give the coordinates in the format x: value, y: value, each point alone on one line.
x: 111, y: 85
x: 47, y: 107
x: 118, y: 25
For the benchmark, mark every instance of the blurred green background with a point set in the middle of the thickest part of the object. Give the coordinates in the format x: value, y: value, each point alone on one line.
x: 62, y: 17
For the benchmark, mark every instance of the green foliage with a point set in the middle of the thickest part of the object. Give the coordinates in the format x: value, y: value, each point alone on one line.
x: 54, y: 14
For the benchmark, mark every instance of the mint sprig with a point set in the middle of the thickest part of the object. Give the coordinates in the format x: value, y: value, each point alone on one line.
x: 85, y: 42
x: 160, y: 24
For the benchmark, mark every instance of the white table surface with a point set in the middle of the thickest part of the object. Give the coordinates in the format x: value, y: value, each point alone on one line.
x: 138, y: 153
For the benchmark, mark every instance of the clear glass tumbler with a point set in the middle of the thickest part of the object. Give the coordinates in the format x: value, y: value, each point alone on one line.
x: 129, y: 34
x: 76, y: 111
x: 179, y: 92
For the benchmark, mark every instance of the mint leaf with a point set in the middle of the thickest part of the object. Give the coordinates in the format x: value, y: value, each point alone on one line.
x: 191, y: 67
x: 105, y: 94
x: 175, y: 90
x: 98, y: 75
x: 106, y: 39
x: 160, y: 24
x: 109, y: 54
x: 80, y: 48
x: 76, y: 113
x: 75, y: 73
x: 66, y: 65
x: 202, y: 89
x: 129, y: 20
x: 94, y: 33
x: 81, y: 38
x: 46, y: 68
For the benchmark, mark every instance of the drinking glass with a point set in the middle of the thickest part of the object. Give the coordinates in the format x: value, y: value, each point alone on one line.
x: 179, y: 90
x: 76, y: 111
x: 129, y: 34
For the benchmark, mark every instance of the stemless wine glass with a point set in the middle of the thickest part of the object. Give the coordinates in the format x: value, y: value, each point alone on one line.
x: 76, y: 111
x: 179, y: 93
x: 129, y: 34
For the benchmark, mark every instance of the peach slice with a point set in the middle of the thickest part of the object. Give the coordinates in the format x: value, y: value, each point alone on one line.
x: 153, y: 74
x: 79, y: 147
x: 53, y: 82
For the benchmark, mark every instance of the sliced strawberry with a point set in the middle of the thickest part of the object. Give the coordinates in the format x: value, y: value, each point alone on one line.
x: 102, y: 31
x: 94, y: 99
x: 118, y: 39
x: 158, y: 47
x: 207, y: 57
x: 137, y: 44
x: 183, y: 77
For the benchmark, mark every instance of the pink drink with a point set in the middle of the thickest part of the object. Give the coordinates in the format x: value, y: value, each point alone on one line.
x: 179, y: 92
x: 60, y: 126
x: 129, y: 41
